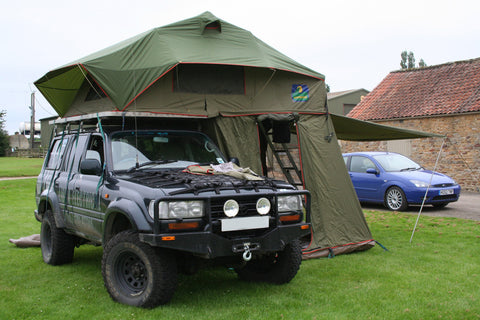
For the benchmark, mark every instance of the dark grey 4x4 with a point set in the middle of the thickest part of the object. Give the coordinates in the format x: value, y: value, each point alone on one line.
x: 150, y: 198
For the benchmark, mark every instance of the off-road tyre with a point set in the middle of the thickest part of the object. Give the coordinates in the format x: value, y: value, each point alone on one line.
x: 137, y: 274
x: 278, y: 267
x: 395, y: 199
x: 57, y: 246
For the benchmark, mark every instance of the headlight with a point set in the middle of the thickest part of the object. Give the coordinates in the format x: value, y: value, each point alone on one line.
x: 419, y: 183
x: 263, y: 206
x: 289, y: 203
x: 177, y: 209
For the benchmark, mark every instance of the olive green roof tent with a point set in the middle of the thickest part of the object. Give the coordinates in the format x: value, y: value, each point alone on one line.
x: 205, y: 68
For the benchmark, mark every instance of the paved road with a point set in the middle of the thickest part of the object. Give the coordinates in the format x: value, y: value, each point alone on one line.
x: 467, y: 207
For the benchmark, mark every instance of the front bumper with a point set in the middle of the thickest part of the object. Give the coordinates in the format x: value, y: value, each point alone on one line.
x: 211, y: 245
x: 433, y: 195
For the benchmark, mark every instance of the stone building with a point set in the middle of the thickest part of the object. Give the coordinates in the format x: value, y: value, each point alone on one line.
x: 18, y: 141
x: 443, y: 99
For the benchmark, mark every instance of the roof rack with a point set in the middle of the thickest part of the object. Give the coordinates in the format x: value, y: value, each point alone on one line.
x: 92, y: 118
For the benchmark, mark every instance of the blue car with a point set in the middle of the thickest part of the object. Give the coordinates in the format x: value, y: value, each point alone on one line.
x: 397, y: 181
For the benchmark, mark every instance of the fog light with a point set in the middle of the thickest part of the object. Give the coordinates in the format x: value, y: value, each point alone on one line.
x: 263, y: 206
x: 231, y: 208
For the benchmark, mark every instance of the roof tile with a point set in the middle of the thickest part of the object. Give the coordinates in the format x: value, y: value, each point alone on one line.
x: 450, y: 88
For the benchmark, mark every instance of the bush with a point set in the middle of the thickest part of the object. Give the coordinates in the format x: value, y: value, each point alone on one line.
x: 4, y: 142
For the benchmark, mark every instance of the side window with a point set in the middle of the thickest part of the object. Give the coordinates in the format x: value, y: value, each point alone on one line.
x: 361, y: 164
x: 345, y: 159
x: 73, y: 153
x: 69, y: 155
x: 95, y: 149
x: 57, y: 152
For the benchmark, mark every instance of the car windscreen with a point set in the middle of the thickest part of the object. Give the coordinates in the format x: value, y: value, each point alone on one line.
x: 396, y: 162
x: 162, y: 149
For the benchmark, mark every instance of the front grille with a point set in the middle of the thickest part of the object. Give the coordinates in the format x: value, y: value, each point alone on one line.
x: 446, y: 197
x: 443, y: 185
x: 247, y: 206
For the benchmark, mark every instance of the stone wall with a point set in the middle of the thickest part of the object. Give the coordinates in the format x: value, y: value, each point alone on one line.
x: 460, y: 157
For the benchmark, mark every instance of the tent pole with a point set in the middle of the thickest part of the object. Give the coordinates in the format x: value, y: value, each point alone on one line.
x: 428, y: 187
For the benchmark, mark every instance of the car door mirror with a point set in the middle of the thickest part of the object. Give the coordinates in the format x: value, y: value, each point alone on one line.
x: 235, y: 160
x: 91, y: 166
x: 372, y: 171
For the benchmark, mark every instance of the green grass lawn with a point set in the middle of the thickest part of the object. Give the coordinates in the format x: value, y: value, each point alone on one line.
x: 20, y: 167
x: 435, y: 277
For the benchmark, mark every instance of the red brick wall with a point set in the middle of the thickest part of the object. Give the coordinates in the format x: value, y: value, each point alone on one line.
x: 460, y: 158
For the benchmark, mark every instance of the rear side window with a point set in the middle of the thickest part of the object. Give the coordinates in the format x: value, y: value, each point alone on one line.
x: 56, y: 153
x: 361, y: 164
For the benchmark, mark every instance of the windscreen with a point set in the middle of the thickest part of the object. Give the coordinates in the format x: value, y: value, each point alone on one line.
x: 162, y: 149
x: 396, y: 162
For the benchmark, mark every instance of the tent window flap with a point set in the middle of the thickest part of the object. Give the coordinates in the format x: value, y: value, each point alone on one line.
x: 209, y: 79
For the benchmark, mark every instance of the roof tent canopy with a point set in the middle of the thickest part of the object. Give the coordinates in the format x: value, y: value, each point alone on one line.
x: 125, y: 70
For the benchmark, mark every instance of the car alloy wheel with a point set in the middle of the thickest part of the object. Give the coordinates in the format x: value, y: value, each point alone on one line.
x: 395, y: 199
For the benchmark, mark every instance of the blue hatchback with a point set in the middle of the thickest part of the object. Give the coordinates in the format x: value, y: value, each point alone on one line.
x: 397, y: 181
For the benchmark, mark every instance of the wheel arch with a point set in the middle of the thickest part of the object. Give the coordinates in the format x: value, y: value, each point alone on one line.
x: 394, y: 183
x: 123, y: 215
x: 49, y: 201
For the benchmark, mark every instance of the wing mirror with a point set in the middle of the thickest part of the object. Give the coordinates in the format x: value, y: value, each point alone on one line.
x: 372, y: 171
x: 91, y: 166
x: 235, y: 160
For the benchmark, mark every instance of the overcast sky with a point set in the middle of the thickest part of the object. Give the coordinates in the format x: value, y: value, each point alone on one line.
x: 355, y: 44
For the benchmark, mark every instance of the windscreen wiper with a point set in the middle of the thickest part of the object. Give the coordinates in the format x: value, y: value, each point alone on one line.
x: 148, y: 163
x: 408, y: 169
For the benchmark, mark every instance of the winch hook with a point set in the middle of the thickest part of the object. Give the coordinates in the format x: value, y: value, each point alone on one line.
x: 247, y: 254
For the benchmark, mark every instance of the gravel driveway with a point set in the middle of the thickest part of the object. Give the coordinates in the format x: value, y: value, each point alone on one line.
x: 467, y: 207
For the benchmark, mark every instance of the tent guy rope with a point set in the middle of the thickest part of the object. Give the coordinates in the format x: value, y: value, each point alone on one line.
x: 428, y: 188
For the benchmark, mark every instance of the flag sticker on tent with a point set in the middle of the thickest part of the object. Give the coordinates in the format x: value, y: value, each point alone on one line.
x: 300, y: 92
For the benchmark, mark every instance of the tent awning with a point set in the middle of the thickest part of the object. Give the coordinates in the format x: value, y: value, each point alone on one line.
x: 359, y: 130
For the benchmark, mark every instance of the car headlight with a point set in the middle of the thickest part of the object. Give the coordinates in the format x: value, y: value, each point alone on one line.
x: 177, y: 209
x: 289, y: 203
x: 419, y: 183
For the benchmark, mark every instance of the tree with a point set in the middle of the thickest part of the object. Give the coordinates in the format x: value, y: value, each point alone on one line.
x: 4, y: 142
x: 411, y: 60
x: 403, y: 62
x: 408, y: 61
x: 327, y: 87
